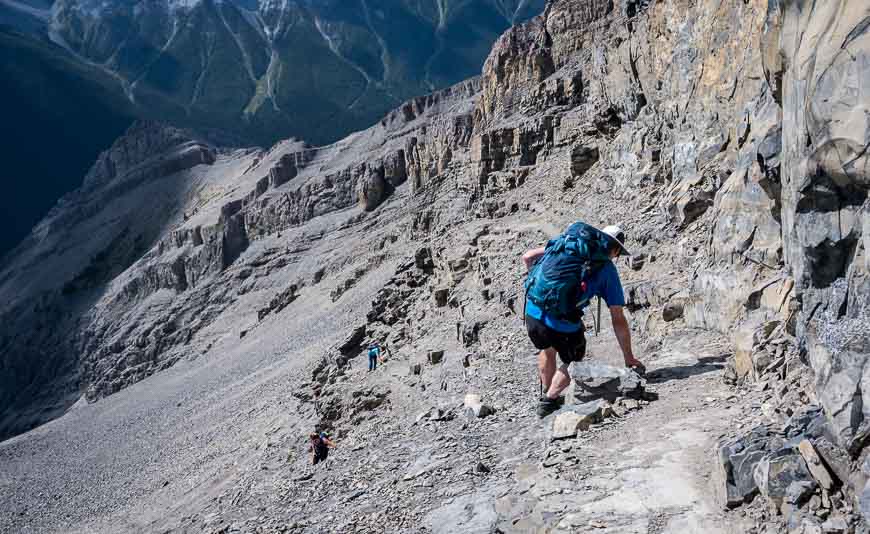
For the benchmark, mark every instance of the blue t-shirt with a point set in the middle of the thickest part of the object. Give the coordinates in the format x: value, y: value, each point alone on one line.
x: 604, y: 283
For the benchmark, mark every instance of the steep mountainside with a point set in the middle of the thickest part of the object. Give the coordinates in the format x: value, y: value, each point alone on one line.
x: 47, y: 100
x: 258, y: 72
x: 728, y: 138
x: 268, y: 70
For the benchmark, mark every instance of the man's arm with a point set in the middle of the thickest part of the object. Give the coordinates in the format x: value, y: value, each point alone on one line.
x: 532, y: 255
x: 623, y: 335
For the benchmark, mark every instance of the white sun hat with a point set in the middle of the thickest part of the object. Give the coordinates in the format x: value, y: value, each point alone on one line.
x: 618, y: 235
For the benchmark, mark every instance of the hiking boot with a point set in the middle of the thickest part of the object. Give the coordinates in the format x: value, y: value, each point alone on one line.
x: 546, y: 406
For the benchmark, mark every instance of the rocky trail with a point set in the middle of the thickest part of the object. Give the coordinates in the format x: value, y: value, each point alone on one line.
x: 422, y: 462
x: 643, y: 467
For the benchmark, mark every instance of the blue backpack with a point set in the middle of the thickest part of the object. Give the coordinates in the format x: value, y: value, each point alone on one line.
x: 557, y: 281
x: 374, y: 351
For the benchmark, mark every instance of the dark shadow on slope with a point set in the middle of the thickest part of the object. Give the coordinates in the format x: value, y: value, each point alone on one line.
x: 49, y: 355
x: 58, y: 116
x: 681, y: 372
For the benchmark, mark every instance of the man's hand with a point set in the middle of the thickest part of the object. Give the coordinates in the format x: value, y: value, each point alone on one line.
x: 635, y: 365
x: 632, y: 362
x: 623, y: 336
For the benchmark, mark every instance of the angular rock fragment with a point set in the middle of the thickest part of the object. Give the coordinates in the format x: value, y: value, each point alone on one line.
x: 435, y: 356
x: 434, y: 414
x: 729, y: 374
x: 637, y: 261
x: 835, y: 458
x: 815, y: 465
x: 440, y: 295
x: 749, y: 359
x: 776, y: 472
x: 474, y: 407
x: 582, y: 159
x: 799, y: 492
x: 423, y: 258
x: 672, y: 311
x: 471, y: 333
x: 608, y: 381
x: 835, y: 525
x: 734, y: 483
x: 803, y: 524
x: 571, y: 420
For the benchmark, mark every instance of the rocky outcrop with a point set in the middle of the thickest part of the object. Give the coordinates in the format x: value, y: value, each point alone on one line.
x: 824, y: 198
x: 759, y: 148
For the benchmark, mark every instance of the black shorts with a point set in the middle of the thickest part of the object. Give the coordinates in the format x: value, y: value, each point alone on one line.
x: 570, y: 346
x: 320, y: 455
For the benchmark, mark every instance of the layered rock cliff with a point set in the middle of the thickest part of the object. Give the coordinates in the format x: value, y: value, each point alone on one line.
x: 728, y: 138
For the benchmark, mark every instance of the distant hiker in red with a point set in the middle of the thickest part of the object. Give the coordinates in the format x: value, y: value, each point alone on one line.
x: 563, y: 277
x: 319, y: 446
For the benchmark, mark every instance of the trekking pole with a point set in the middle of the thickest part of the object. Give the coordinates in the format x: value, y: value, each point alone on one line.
x: 598, y: 320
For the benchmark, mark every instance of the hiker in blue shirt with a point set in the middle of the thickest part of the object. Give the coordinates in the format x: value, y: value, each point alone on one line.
x: 563, y: 278
x: 374, y: 355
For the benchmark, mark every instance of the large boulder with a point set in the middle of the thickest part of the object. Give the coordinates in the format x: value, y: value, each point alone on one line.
x: 734, y: 466
x: 776, y: 472
x: 608, y: 381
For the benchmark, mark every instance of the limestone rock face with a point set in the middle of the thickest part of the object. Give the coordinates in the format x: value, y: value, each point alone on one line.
x: 825, y: 177
x: 372, y: 189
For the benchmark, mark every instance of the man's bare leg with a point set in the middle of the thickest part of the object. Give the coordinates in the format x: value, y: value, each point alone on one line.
x: 547, y: 366
x: 561, y: 380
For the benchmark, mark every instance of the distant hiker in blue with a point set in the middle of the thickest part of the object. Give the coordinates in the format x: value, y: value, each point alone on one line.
x: 374, y: 355
x: 563, y: 277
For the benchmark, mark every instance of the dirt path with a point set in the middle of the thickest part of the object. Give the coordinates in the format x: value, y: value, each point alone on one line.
x: 646, y: 472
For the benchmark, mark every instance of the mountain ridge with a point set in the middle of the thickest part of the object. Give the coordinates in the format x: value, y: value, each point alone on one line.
x: 233, y: 70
